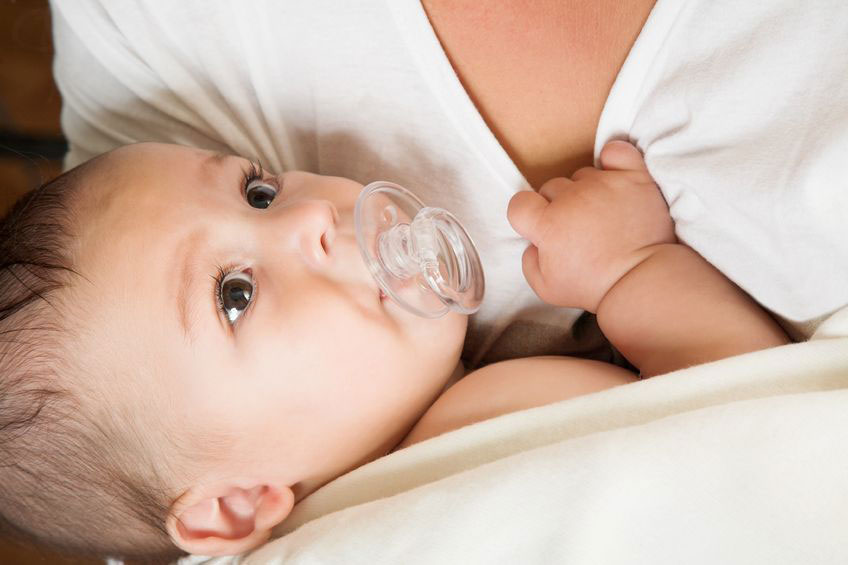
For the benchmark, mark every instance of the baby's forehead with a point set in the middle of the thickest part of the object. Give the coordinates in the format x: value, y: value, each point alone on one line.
x: 97, y: 185
x: 125, y: 185
x: 125, y: 162
x: 124, y: 227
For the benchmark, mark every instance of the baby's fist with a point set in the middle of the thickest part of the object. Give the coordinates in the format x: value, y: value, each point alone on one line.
x: 587, y: 232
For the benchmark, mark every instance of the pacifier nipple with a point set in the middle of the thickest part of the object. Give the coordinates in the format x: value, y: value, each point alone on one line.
x: 421, y: 257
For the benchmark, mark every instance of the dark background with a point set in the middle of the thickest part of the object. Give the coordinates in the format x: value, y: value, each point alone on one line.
x: 31, y: 144
x: 31, y: 147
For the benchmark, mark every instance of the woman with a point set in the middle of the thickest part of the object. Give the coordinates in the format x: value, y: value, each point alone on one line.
x: 739, y: 109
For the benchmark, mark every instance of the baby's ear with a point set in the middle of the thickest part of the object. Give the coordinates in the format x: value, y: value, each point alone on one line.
x: 227, y: 518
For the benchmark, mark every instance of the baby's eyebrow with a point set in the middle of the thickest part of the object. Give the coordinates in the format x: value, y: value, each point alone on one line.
x: 217, y: 158
x: 186, y: 251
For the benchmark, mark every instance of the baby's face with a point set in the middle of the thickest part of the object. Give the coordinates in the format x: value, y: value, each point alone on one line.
x: 306, y: 365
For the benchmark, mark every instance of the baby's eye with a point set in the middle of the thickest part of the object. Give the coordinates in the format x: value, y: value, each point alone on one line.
x: 235, y: 292
x: 259, y: 193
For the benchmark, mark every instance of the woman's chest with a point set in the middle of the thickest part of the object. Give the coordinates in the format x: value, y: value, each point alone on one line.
x: 539, y: 72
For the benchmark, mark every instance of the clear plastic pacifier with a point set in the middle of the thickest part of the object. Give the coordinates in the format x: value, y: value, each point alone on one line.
x: 421, y: 257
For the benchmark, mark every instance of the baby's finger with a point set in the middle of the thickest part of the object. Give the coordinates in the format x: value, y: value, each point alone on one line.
x: 583, y: 172
x: 524, y: 210
x: 622, y: 156
x: 554, y: 187
x: 532, y: 271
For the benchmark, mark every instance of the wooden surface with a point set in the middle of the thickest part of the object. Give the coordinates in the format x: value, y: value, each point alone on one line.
x: 29, y: 101
x: 29, y: 105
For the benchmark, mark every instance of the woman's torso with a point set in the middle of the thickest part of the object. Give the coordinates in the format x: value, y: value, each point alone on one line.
x: 738, y: 108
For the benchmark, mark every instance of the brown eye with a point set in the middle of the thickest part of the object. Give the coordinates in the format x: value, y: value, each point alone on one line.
x: 236, y: 291
x: 260, y: 194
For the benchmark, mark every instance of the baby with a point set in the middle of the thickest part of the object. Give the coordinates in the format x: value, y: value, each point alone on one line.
x: 193, y: 345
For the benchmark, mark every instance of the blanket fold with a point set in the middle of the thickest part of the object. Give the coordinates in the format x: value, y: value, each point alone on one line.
x: 737, y: 461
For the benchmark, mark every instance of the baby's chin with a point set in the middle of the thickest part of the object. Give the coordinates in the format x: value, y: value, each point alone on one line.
x: 441, y: 337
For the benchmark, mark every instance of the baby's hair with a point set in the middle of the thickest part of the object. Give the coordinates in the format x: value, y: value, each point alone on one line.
x: 71, y: 478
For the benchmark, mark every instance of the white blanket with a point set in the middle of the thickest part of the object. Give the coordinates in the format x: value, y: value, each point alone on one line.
x: 739, y: 461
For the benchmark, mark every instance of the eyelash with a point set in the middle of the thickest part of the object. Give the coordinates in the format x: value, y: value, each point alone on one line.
x: 216, y: 288
x: 255, y: 172
x: 252, y: 173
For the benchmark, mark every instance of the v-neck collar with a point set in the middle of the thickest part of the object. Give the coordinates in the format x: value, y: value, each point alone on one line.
x: 433, y: 64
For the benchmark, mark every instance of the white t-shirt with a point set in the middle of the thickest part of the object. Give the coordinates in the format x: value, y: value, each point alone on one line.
x: 741, y: 109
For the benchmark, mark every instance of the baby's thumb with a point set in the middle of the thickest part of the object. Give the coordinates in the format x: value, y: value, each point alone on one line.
x: 533, y: 272
x: 621, y: 156
x: 523, y: 213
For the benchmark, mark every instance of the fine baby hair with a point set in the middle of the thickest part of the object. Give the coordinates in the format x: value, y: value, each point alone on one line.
x: 67, y: 480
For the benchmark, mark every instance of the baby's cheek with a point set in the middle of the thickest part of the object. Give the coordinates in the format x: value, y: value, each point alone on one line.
x: 449, y: 338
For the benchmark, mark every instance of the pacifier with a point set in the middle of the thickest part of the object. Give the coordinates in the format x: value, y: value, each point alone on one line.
x: 421, y: 257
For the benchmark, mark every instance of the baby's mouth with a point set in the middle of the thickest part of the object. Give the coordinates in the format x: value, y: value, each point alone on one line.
x: 353, y: 268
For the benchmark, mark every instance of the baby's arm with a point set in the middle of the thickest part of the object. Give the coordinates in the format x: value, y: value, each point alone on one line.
x: 604, y: 242
x: 509, y: 386
x: 674, y: 310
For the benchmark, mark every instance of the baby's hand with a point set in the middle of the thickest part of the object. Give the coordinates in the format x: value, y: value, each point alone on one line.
x: 588, y: 232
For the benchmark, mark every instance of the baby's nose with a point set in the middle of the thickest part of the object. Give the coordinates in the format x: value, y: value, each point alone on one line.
x: 312, y: 225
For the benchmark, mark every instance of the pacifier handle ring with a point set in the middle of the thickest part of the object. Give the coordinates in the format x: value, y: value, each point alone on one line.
x: 421, y: 257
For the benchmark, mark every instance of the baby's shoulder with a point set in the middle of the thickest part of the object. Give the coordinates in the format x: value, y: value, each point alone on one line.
x: 509, y: 386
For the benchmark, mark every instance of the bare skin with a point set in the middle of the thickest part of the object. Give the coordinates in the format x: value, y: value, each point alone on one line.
x: 603, y: 241
x: 257, y: 328
x: 539, y: 72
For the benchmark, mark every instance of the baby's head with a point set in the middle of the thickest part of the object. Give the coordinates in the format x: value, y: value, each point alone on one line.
x: 189, y: 347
